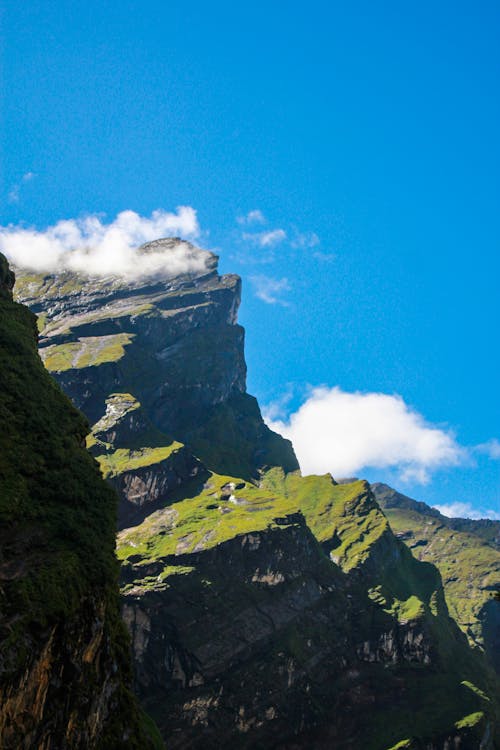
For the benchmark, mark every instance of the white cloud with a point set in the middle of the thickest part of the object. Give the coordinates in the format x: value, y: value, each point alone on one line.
x: 265, y: 239
x: 252, y: 217
x: 268, y: 289
x: 490, y: 448
x: 344, y: 433
x: 90, y: 246
x: 324, y: 257
x: 15, y: 192
x: 305, y: 240
x: 466, y: 510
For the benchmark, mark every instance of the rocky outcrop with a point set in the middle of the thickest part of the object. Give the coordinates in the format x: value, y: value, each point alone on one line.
x: 65, y: 672
x: 172, y: 343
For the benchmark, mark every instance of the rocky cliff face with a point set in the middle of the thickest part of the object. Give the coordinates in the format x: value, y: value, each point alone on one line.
x: 64, y: 666
x: 466, y: 552
x: 173, y: 343
x: 266, y: 609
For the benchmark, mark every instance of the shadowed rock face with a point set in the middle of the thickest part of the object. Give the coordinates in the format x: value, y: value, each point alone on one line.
x: 266, y: 609
x: 7, y: 278
x: 65, y: 674
x: 467, y: 553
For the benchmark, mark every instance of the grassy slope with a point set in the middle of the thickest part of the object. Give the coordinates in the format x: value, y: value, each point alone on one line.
x: 351, y: 527
x: 469, y: 562
x: 86, y: 352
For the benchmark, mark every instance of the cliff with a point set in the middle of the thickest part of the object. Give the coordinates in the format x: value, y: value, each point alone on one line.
x: 466, y: 552
x: 266, y: 609
x: 65, y: 673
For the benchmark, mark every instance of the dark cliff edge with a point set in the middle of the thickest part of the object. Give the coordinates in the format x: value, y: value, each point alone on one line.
x: 266, y: 609
x: 65, y: 671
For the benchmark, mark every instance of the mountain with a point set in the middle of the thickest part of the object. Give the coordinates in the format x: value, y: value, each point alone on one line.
x: 467, y: 554
x: 65, y: 671
x: 266, y: 609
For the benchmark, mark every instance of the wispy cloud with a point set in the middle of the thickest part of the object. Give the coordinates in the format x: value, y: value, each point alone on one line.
x: 15, y: 191
x: 269, y: 290
x: 91, y: 246
x: 466, y: 510
x: 252, y: 217
x: 269, y: 240
x: 343, y: 433
x: 304, y: 240
x: 324, y: 257
x: 491, y: 448
x: 265, y: 239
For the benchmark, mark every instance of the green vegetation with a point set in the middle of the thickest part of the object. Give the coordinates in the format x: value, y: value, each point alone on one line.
x: 123, y: 459
x: 471, y: 720
x: 469, y: 563
x: 86, y: 352
x: 57, y: 520
x: 329, y: 509
x: 204, y: 520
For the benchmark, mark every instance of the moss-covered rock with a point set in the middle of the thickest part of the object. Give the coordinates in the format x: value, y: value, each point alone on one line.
x: 467, y: 554
x: 65, y: 669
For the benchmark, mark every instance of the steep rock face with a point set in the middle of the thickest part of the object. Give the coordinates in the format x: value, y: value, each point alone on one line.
x: 245, y: 632
x: 266, y: 609
x: 467, y: 554
x: 64, y: 665
x: 172, y: 343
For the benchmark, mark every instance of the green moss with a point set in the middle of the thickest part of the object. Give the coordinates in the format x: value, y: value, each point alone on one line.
x: 123, y: 459
x: 204, y: 520
x: 86, y: 352
x: 344, y: 515
x: 471, y: 720
x: 476, y: 690
x: 41, y: 321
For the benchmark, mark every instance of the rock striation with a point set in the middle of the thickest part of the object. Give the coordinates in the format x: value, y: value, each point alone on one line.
x: 266, y: 609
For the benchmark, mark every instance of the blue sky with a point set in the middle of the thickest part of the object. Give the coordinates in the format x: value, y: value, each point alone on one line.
x: 365, y: 134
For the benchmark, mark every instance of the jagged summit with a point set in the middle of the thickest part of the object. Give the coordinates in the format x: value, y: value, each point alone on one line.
x: 161, y: 269
x: 174, y: 344
x: 114, y: 260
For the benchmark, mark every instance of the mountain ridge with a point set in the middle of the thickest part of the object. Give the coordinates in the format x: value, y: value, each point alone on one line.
x: 474, y: 576
x: 238, y: 574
